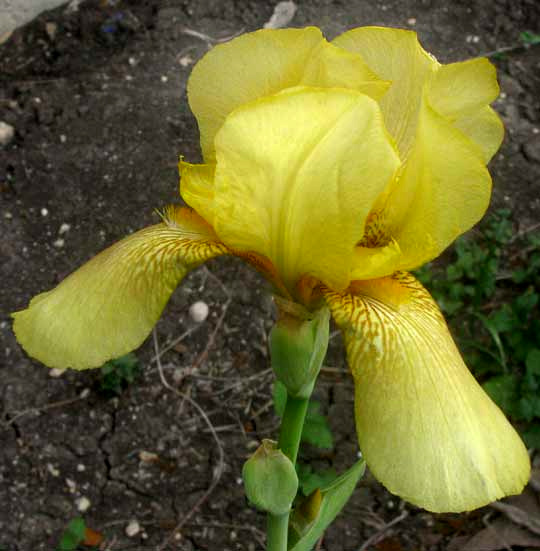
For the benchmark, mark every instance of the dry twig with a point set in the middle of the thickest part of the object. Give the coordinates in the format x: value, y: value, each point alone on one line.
x: 372, y: 540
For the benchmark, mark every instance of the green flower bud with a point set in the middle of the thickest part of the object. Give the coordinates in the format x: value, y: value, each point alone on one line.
x: 270, y: 479
x: 298, y: 348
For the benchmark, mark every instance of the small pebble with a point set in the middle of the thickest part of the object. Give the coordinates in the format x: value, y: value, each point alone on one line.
x: 81, y: 468
x: 63, y: 138
x: 53, y: 470
x: 50, y: 29
x: 64, y: 228
x: 6, y: 133
x: 56, y: 372
x: 132, y: 529
x: 186, y: 60
x: 83, y: 504
x: 132, y: 61
x: 59, y: 243
x: 411, y: 21
x: 85, y: 392
x: 44, y: 211
x: 164, y: 78
x: 148, y: 457
x: 71, y: 485
x: 198, y: 311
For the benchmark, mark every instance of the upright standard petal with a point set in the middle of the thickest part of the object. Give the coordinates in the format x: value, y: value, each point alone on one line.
x: 265, y: 62
x: 197, y: 188
x: 109, y: 306
x: 250, y: 66
x: 462, y: 93
x: 296, y: 176
x: 395, y: 55
x: 428, y: 431
x: 333, y: 67
x: 443, y: 189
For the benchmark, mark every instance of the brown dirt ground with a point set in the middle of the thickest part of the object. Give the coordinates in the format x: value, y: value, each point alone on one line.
x: 100, y: 114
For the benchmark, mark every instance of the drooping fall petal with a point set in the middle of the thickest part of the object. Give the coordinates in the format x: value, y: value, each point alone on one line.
x: 300, y: 192
x: 428, y: 431
x: 108, y: 306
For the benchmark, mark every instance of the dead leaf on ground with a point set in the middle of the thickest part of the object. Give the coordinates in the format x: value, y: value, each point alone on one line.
x: 501, y: 534
x: 523, y: 509
x: 92, y: 538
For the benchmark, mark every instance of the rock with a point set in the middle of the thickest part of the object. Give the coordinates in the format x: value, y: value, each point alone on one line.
x: 198, y: 311
x: 51, y: 28
x: 132, y: 529
x: 6, y: 133
x: 83, y: 504
x: 282, y: 16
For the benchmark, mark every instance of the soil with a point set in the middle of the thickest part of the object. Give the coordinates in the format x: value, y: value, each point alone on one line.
x: 96, y: 94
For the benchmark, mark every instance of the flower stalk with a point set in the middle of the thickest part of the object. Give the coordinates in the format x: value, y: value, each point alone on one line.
x: 298, y: 348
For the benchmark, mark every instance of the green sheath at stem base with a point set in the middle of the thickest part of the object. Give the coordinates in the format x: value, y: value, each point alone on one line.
x: 292, y: 425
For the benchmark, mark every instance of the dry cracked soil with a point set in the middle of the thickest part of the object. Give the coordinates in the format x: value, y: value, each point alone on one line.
x: 95, y: 92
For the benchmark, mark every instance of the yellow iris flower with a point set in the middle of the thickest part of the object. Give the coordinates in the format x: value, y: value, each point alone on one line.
x: 334, y: 168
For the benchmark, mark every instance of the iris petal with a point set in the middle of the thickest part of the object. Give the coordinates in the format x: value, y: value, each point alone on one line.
x: 300, y: 192
x: 428, y: 431
x: 108, y: 306
x: 396, y: 56
x: 246, y: 68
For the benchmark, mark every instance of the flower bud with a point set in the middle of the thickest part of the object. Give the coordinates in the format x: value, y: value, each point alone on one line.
x: 298, y: 348
x: 270, y: 479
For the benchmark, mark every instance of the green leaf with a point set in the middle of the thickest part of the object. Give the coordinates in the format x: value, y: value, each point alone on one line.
x: 503, y: 320
x: 491, y: 328
x: 334, y: 497
x: 529, y: 38
x: 310, y: 480
x: 316, y: 429
x: 528, y: 407
x: 503, y: 390
x: 118, y: 373
x: 532, y: 436
x: 73, y: 535
x: 533, y: 362
x: 526, y: 302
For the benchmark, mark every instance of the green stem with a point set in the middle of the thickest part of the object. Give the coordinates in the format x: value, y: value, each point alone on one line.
x: 277, y: 531
x: 289, y: 442
x: 292, y: 425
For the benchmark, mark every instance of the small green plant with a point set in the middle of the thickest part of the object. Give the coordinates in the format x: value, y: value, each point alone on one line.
x: 73, y: 535
x: 78, y: 536
x: 529, y: 38
x: 117, y: 374
x: 489, y: 291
